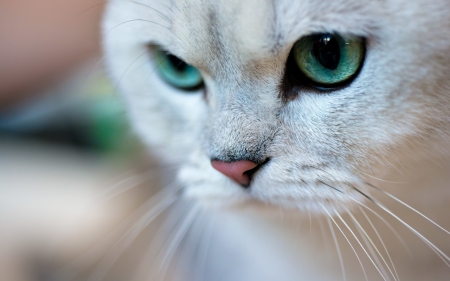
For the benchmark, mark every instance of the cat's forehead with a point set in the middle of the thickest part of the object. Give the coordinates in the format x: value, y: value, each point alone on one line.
x: 235, y: 29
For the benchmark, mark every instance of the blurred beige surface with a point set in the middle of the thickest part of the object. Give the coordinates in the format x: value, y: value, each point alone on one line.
x: 50, y: 203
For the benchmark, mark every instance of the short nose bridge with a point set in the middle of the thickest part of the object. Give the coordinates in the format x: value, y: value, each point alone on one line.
x: 239, y: 135
x: 235, y: 170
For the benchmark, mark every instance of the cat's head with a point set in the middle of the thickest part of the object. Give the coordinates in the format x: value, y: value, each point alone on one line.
x: 296, y: 102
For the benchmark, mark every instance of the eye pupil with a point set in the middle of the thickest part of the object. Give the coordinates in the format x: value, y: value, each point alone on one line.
x: 326, y: 50
x: 178, y: 64
x: 176, y: 72
x: 327, y: 59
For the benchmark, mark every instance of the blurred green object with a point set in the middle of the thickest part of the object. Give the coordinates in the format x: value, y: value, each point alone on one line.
x: 108, y: 127
x: 84, y: 111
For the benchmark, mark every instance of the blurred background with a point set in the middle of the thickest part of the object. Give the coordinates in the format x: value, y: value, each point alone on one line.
x: 64, y: 138
x: 52, y: 83
x: 74, y: 178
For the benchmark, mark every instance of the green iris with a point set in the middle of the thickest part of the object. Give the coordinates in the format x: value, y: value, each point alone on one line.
x: 329, y: 59
x: 178, y: 73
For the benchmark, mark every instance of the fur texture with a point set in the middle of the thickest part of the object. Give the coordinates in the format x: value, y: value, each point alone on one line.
x: 387, y: 131
x: 396, y: 111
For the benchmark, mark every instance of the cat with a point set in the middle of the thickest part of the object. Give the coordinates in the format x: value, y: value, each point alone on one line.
x: 332, y: 109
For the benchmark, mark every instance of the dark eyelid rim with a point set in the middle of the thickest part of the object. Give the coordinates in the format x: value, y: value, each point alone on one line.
x: 295, y: 81
x: 156, y: 48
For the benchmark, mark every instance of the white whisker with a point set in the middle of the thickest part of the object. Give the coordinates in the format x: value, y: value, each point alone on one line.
x: 391, y: 228
x: 193, y: 241
x: 381, y: 179
x: 310, y: 222
x: 199, y: 273
x: 146, y: 6
x: 370, y: 245
x: 324, y: 238
x: 381, y: 240
x: 177, y: 239
x: 375, y: 213
x: 159, y: 206
x: 438, y: 251
x: 126, y: 1
x: 409, y: 207
x: 348, y: 241
x: 341, y: 261
x: 433, y: 247
x: 70, y: 271
x: 128, y: 68
x: 136, y: 20
x: 92, y: 69
x: 133, y: 181
x: 160, y: 238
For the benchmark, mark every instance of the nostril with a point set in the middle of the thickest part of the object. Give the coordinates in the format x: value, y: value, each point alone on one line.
x: 239, y: 171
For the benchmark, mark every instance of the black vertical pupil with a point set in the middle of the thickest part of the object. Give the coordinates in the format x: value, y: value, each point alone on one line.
x: 178, y: 64
x: 326, y: 50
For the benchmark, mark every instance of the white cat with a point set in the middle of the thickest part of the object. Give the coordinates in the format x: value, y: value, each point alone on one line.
x: 322, y: 106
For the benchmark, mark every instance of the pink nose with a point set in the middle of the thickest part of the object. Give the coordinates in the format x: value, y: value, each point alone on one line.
x: 235, y: 170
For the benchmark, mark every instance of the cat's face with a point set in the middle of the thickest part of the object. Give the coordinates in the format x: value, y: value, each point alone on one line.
x: 312, y: 145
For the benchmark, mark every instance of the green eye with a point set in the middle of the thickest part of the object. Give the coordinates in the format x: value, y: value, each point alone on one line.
x: 329, y: 59
x: 178, y: 73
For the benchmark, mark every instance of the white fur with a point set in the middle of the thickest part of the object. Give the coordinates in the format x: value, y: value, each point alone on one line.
x: 397, y: 107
